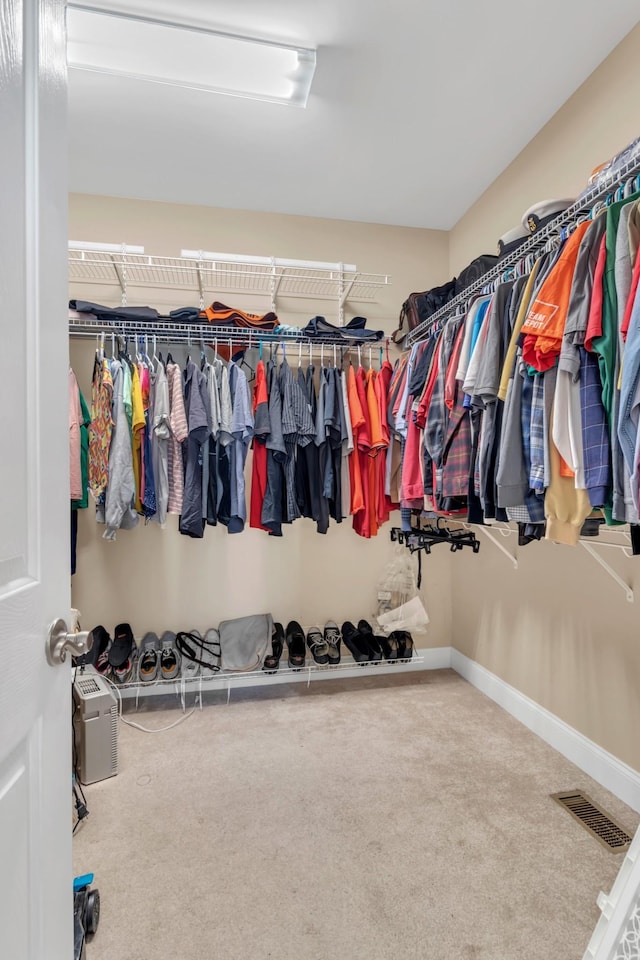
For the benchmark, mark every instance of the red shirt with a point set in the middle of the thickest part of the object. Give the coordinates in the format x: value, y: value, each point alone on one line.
x: 259, y: 467
x: 594, y: 323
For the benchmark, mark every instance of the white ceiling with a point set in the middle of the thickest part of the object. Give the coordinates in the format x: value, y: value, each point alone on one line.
x: 416, y: 107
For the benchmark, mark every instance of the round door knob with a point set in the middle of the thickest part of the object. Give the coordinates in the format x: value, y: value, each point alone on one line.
x: 59, y: 641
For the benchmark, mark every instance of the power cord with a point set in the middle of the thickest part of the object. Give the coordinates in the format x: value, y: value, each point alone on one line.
x: 82, y: 810
x: 138, y: 726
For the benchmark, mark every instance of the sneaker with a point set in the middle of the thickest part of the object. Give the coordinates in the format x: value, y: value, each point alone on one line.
x: 123, y: 645
x: 190, y: 648
x: 211, y: 653
x: 295, y: 645
x: 317, y: 646
x: 125, y: 672
x: 333, y: 639
x: 149, y: 658
x: 99, y: 653
x: 169, y: 657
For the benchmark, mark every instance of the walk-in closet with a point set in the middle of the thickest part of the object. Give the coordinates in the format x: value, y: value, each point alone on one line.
x: 320, y: 503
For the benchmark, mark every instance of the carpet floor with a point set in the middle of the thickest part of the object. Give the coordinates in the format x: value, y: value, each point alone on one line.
x: 365, y: 819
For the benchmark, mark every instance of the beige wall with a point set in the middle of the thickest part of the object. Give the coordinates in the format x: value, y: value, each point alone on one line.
x: 596, y: 122
x: 558, y: 629
x: 158, y: 579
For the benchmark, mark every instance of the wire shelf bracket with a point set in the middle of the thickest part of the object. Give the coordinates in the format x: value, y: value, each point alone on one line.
x: 628, y: 591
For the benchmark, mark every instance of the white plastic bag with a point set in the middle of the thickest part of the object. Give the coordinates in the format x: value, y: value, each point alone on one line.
x: 400, y: 606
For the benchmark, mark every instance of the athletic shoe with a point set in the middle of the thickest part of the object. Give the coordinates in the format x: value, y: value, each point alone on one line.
x: 333, y: 639
x: 169, y: 657
x: 190, y: 647
x: 318, y: 646
x: 211, y: 653
x: 149, y: 658
x: 99, y: 653
x: 123, y: 645
x: 125, y: 672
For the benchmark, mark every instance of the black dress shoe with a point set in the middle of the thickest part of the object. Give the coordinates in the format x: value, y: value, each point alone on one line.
x: 389, y: 647
x: 375, y: 649
x: 355, y: 643
x: 296, y: 645
x: 405, y: 644
x: 272, y: 662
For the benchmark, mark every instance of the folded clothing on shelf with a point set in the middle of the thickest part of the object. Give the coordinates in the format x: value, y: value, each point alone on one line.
x: 355, y: 330
x: 219, y: 313
x: 113, y: 314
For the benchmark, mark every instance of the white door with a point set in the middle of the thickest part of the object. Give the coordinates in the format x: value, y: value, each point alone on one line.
x: 35, y: 769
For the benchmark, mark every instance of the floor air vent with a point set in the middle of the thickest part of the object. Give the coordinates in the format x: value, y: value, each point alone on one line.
x: 594, y: 819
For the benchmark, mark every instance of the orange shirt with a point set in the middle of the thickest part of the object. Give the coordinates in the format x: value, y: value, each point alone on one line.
x: 356, y: 416
x: 547, y: 315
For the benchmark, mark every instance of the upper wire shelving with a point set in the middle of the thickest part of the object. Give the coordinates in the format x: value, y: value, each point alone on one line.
x: 207, y: 276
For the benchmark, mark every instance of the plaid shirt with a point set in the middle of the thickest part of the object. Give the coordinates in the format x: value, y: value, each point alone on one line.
x: 456, y: 461
x: 536, y: 434
x: 595, y: 434
x: 534, y: 500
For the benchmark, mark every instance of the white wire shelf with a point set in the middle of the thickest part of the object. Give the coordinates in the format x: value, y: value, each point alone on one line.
x: 208, y: 279
x: 312, y: 671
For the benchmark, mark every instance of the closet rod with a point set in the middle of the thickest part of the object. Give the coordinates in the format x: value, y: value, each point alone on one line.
x: 599, y: 191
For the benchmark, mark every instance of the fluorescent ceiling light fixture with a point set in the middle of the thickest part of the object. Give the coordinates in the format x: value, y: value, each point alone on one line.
x: 85, y: 245
x: 142, y: 48
x: 267, y: 261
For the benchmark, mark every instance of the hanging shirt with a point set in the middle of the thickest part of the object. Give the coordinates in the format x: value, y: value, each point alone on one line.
x: 356, y: 415
x: 363, y: 523
x: 75, y: 418
x: 117, y: 511
x: 241, y: 432
x: 274, y: 505
x: 261, y: 431
x: 179, y: 433
x: 100, y: 427
x: 297, y: 430
x: 160, y: 423
x: 198, y: 412
x: 547, y: 316
x: 137, y: 434
x: 85, y: 419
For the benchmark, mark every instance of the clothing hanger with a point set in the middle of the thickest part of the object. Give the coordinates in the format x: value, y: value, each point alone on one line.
x: 359, y: 355
x: 335, y: 357
x: 300, y: 355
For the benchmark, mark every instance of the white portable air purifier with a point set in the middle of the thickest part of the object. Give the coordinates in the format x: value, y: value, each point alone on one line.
x: 95, y: 726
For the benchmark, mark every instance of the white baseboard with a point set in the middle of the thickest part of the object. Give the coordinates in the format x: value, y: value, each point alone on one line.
x: 616, y: 776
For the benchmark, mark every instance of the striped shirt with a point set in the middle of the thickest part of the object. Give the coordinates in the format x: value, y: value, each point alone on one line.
x: 179, y: 433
